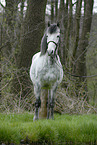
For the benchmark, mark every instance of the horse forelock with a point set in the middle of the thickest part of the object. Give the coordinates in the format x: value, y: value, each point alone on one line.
x: 52, y: 28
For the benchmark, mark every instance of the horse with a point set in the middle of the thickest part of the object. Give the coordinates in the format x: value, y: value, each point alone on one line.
x: 46, y: 70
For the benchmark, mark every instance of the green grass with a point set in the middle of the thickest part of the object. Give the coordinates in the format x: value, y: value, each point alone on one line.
x: 65, y: 129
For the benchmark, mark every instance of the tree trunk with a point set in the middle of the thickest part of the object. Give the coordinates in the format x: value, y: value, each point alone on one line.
x: 34, y: 25
x: 9, y: 11
x: 81, y: 51
x: 62, y: 18
x: 68, y: 33
x: 77, y: 27
x: 33, y: 29
x: 52, y: 11
x: 56, y: 9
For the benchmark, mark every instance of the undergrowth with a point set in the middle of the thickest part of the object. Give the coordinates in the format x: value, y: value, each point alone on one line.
x: 65, y: 129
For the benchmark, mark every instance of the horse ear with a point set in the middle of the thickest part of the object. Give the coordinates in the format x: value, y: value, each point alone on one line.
x: 58, y: 24
x: 43, y: 45
x: 48, y: 24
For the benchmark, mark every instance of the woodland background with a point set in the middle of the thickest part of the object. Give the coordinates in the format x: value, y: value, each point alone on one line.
x: 22, y: 25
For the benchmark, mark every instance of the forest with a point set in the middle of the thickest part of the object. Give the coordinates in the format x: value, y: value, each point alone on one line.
x: 22, y: 25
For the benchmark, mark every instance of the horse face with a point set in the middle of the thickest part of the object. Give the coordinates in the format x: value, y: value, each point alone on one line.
x: 53, y: 35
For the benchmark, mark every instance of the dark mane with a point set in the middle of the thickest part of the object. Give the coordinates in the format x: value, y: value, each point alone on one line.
x: 52, y: 28
x: 43, y: 45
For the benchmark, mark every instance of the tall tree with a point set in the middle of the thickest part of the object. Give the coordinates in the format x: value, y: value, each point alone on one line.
x: 83, y: 43
x: 34, y: 25
x: 10, y: 12
x: 33, y: 29
x: 56, y: 9
x: 68, y: 30
x: 62, y: 18
x: 52, y: 11
x: 77, y: 26
x: 9, y: 35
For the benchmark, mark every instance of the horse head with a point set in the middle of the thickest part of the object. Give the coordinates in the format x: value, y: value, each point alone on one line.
x: 50, y: 40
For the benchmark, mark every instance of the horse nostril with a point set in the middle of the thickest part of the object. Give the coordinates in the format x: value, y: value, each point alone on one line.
x: 52, y: 52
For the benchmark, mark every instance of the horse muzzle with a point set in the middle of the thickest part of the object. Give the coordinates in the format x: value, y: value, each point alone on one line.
x: 52, y: 53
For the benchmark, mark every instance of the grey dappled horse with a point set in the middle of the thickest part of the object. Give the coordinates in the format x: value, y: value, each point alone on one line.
x: 46, y: 70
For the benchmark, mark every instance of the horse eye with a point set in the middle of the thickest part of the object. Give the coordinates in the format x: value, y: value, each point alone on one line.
x: 58, y: 36
x: 46, y: 36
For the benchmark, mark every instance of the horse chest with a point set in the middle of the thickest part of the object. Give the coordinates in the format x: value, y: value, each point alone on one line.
x: 45, y: 72
x: 49, y: 73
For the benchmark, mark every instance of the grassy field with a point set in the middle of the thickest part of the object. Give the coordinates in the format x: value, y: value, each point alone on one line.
x: 65, y: 129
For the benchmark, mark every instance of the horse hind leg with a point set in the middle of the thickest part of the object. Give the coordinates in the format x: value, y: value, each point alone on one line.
x: 48, y: 104
x: 37, y: 103
x: 52, y: 108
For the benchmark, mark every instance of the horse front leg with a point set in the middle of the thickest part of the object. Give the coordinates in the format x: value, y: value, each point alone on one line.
x: 52, y: 102
x: 37, y: 92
